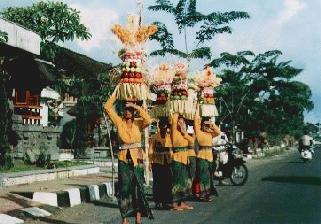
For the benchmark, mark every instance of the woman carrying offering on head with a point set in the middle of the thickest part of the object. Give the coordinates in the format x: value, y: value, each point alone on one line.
x: 161, y: 153
x: 205, y: 131
x: 191, y: 154
x: 181, y: 188
x: 130, y: 159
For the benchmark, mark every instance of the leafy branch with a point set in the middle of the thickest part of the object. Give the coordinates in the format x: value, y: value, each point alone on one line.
x: 186, y: 16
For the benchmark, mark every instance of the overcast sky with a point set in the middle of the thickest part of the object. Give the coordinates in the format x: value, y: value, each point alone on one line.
x: 292, y: 26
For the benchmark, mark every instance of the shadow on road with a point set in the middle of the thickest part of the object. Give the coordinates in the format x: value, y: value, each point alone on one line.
x: 297, y: 162
x: 106, y: 204
x: 53, y: 221
x: 294, y: 180
x: 20, y: 201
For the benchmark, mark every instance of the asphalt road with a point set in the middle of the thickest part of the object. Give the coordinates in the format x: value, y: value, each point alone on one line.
x: 280, y: 189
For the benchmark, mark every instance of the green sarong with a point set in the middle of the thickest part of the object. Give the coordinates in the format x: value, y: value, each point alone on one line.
x: 131, y: 196
x: 204, y: 177
x: 181, y: 188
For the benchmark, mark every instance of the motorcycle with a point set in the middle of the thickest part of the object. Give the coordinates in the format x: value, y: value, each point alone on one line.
x: 231, y: 165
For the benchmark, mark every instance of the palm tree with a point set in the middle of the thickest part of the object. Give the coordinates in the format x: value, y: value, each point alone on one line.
x: 186, y: 16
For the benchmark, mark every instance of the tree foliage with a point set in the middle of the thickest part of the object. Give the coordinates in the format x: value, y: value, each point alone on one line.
x: 260, y: 94
x: 54, y: 21
x: 5, y: 124
x: 186, y: 17
x: 3, y: 37
x: 91, y: 93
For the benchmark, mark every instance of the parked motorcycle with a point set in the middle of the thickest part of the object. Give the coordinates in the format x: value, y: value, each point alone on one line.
x: 230, y: 165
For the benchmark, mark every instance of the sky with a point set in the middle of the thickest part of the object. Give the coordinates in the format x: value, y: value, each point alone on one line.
x: 292, y: 26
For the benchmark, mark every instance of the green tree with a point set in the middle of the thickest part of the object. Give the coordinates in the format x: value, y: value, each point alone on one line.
x: 5, y: 130
x: 91, y: 92
x: 188, y: 19
x: 236, y: 91
x: 312, y: 128
x: 3, y: 37
x: 260, y: 95
x: 54, y: 21
x: 5, y: 124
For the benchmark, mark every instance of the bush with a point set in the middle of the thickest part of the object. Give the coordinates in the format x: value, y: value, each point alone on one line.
x: 274, y: 140
x: 8, y: 161
x: 42, y: 159
x: 49, y: 164
x: 27, y: 159
x: 68, y: 135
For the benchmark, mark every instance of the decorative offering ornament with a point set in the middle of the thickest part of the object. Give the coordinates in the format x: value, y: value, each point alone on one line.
x: 133, y: 34
x: 162, y: 83
x: 132, y: 86
x: 179, y: 99
x: 162, y: 78
x: 206, y: 80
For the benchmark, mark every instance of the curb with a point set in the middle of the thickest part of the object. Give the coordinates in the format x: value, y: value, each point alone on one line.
x: 27, y: 177
x: 72, y: 196
x: 18, y: 216
x: 271, y: 152
x: 55, y: 201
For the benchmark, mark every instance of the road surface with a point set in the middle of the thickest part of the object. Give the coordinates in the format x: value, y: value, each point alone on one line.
x: 280, y: 189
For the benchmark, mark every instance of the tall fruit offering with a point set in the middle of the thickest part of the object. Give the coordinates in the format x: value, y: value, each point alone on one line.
x: 132, y: 86
x: 179, y: 101
x: 206, y: 80
x: 162, y: 86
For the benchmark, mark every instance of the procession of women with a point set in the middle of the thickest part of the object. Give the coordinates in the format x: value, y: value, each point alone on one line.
x: 180, y: 153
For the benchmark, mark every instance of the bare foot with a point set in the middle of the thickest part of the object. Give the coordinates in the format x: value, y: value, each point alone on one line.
x: 176, y: 207
x: 186, y: 206
x: 125, y: 221
x: 138, y: 219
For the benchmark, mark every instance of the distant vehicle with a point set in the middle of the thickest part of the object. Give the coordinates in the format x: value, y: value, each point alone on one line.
x: 306, y: 154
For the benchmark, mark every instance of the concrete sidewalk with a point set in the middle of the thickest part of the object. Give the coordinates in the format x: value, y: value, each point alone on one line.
x: 9, y: 202
x: 59, y: 184
x: 41, y: 199
x: 15, y: 209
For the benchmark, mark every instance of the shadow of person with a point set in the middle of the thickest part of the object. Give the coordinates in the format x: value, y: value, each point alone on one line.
x: 105, y: 204
x: 308, y: 180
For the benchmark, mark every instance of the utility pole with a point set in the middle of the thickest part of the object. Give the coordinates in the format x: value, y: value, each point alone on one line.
x: 140, y: 4
x: 113, y: 170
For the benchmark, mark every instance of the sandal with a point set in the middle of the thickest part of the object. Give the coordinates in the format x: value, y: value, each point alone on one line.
x: 205, y: 199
